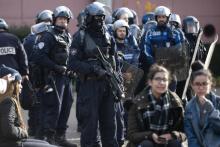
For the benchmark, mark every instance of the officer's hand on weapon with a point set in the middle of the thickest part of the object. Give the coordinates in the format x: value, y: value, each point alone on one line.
x: 60, y: 69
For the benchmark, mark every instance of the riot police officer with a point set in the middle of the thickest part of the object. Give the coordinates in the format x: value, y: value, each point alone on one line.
x: 175, y: 23
x: 53, y: 56
x: 12, y: 53
x: 164, y: 45
x: 128, y: 48
x: 191, y: 28
x: 129, y: 52
x: 29, y: 42
x: 95, y: 96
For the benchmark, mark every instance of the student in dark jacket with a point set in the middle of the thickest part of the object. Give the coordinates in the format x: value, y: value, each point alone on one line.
x: 13, y: 132
x: 156, y: 118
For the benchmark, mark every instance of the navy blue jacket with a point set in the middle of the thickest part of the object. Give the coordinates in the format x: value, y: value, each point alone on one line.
x: 12, y: 53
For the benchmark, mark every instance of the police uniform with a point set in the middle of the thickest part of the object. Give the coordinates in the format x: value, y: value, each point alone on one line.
x: 12, y: 53
x: 95, y: 99
x: 129, y: 49
x: 130, y: 53
x: 166, y: 48
x: 52, y: 55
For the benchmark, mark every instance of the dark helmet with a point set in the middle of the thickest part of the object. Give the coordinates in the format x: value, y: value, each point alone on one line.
x: 108, y: 12
x: 62, y: 11
x: 45, y: 15
x: 92, y: 10
x: 134, y: 19
x: 191, y: 25
x: 81, y: 19
x: 148, y: 17
x: 3, y: 24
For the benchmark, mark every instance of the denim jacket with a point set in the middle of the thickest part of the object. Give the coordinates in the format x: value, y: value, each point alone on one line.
x: 209, y: 134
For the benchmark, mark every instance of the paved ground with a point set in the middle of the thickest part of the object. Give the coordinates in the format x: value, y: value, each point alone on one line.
x: 72, y: 134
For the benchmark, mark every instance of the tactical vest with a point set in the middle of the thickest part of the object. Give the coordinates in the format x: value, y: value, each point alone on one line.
x: 90, y: 45
x: 60, y: 53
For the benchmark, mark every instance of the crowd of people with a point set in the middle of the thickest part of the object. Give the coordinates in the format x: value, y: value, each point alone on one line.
x: 129, y: 81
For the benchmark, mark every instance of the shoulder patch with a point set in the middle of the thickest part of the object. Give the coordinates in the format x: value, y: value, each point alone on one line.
x: 40, y: 45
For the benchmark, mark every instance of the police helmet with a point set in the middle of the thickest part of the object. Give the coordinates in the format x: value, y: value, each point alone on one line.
x: 121, y: 11
x: 120, y: 23
x: 162, y: 10
x: 81, y: 19
x: 134, y: 19
x: 191, y: 25
x: 45, y: 15
x: 148, y: 17
x: 92, y: 10
x: 3, y: 24
x: 175, y: 18
x: 62, y: 11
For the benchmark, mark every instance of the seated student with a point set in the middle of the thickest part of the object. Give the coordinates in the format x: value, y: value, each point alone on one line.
x: 202, y: 115
x: 13, y: 132
x: 156, y: 118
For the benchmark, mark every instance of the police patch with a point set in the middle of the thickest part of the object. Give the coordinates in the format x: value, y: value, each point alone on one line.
x: 40, y: 45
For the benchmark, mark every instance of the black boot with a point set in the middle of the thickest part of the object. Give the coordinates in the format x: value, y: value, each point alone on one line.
x: 62, y: 141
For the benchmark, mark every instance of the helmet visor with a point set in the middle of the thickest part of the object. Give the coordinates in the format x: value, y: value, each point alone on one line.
x: 191, y: 27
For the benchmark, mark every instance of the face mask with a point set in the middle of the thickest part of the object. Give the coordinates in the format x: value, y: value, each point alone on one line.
x: 98, y: 21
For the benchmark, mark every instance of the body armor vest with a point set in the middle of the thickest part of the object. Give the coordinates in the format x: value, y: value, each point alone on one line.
x: 60, y: 53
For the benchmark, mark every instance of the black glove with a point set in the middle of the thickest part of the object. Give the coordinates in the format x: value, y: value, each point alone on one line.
x: 60, y: 69
x: 99, y: 71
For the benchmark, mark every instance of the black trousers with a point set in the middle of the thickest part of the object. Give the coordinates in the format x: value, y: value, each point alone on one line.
x: 56, y: 106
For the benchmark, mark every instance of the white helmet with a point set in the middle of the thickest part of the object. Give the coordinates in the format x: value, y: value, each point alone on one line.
x: 120, y: 23
x: 175, y: 18
x: 162, y: 10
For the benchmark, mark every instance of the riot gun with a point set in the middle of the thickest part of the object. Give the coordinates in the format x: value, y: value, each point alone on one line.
x: 114, y: 79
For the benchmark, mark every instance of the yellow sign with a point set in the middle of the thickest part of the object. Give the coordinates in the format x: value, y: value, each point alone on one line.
x: 149, y: 7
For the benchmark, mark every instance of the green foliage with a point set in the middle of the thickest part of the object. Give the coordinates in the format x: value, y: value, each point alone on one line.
x: 20, y: 31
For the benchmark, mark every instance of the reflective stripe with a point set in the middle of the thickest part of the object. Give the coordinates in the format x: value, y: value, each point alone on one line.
x: 128, y: 56
x: 7, y: 50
